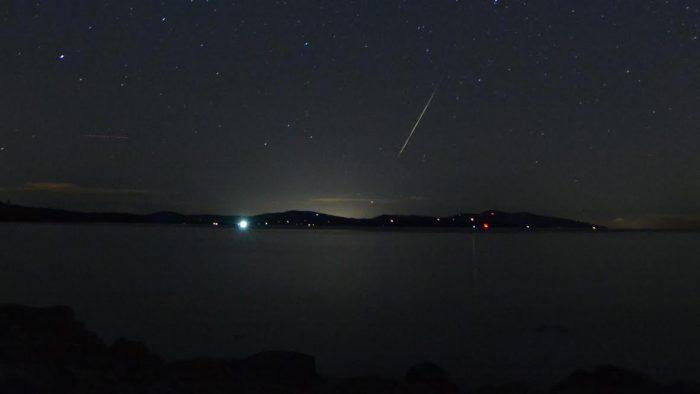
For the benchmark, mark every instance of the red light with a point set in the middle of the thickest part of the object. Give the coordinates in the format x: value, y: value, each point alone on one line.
x: 485, y: 226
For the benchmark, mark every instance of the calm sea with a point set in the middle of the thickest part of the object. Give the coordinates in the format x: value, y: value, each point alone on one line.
x: 488, y: 307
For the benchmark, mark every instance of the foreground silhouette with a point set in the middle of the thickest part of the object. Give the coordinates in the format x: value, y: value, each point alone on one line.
x: 46, y: 350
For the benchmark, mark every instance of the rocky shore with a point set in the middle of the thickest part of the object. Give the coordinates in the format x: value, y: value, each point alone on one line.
x: 46, y: 350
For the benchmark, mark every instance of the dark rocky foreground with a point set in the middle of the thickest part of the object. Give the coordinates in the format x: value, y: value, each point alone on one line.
x: 46, y: 350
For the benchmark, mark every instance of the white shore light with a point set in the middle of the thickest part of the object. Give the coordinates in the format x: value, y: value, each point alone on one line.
x: 242, y: 224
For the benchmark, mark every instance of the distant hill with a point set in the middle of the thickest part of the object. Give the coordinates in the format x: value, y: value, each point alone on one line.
x: 477, y: 221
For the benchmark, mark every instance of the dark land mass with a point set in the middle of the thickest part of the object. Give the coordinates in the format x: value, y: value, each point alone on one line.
x: 46, y: 350
x: 475, y: 221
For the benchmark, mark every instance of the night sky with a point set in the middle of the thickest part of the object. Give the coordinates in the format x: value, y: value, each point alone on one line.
x: 583, y: 109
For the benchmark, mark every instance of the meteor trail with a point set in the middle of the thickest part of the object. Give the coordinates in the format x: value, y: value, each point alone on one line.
x: 415, y: 126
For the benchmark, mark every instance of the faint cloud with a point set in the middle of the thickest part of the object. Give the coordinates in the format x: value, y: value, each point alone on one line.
x: 351, y: 200
x: 107, y: 137
x: 657, y: 221
x: 339, y: 200
x: 70, y: 188
x: 363, y: 200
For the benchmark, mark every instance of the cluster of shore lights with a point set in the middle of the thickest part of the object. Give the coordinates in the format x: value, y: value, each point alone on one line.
x: 484, y: 226
x: 243, y: 224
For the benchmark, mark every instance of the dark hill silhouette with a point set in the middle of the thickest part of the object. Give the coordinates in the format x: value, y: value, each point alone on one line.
x: 475, y: 221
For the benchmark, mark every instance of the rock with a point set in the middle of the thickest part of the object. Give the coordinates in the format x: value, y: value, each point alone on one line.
x: 608, y: 379
x: 428, y: 378
x: 507, y: 388
x: 15, y: 385
x: 683, y: 387
x: 293, y: 368
x: 204, y: 375
x: 203, y: 369
x: 43, y: 378
x: 366, y: 385
x: 45, y: 350
x: 47, y: 335
x: 134, y: 363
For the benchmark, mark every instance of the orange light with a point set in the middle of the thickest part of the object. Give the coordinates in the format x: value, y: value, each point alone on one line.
x: 485, y: 226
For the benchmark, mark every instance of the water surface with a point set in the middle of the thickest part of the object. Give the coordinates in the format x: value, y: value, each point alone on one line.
x: 488, y: 307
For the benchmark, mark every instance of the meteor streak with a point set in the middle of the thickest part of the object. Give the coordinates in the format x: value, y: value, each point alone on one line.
x: 415, y: 126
